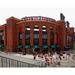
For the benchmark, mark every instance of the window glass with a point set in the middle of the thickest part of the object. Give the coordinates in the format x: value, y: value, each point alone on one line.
x: 44, y: 42
x: 52, y: 37
x: 27, y: 42
x: 44, y: 35
x: 1, y: 37
x: 27, y: 35
x: 36, y: 34
x: 36, y: 41
x: 44, y: 26
x: 20, y: 36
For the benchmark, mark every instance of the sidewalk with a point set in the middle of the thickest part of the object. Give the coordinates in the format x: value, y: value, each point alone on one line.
x: 24, y: 58
x: 29, y: 59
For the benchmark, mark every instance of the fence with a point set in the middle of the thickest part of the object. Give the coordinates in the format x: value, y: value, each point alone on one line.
x: 7, y: 62
x: 16, y: 62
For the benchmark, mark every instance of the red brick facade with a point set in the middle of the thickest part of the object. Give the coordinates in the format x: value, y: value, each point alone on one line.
x: 13, y: 26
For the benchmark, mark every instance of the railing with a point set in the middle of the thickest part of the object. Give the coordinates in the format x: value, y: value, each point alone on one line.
x: 9, y: 62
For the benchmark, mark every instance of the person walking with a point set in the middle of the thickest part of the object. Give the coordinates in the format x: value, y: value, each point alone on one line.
x: 34, y: 54
x: 59, y: 61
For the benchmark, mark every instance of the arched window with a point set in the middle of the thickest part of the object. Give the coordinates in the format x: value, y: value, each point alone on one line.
x: 52, y: 39
x: 56, y: 41
x: 1, y: 39
x: 36, y: 36
x: 27, y: 37
x: 44, y: 37
x: 20, y: 38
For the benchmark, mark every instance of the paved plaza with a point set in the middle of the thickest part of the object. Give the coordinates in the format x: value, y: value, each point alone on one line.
x: 70, y: 62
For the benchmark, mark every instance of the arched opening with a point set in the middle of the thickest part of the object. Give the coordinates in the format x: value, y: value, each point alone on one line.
x: 27, y: 40
x: 20, y: 42
x: 36, y: 38
x: 52, y: 46
x: 44, y: 39
x: 1, y: 40
x: 56, y: 43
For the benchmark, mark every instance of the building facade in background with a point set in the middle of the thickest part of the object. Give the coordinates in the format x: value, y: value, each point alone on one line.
x: 35, y: 32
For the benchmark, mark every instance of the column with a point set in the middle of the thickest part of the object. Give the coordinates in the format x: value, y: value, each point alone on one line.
x: 31, y: 36
x: 23, y: 38
x: 40, y: 36
x: 48, y: 37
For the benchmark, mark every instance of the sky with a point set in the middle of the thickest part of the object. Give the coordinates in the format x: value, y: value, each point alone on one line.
x: 54, y: 13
